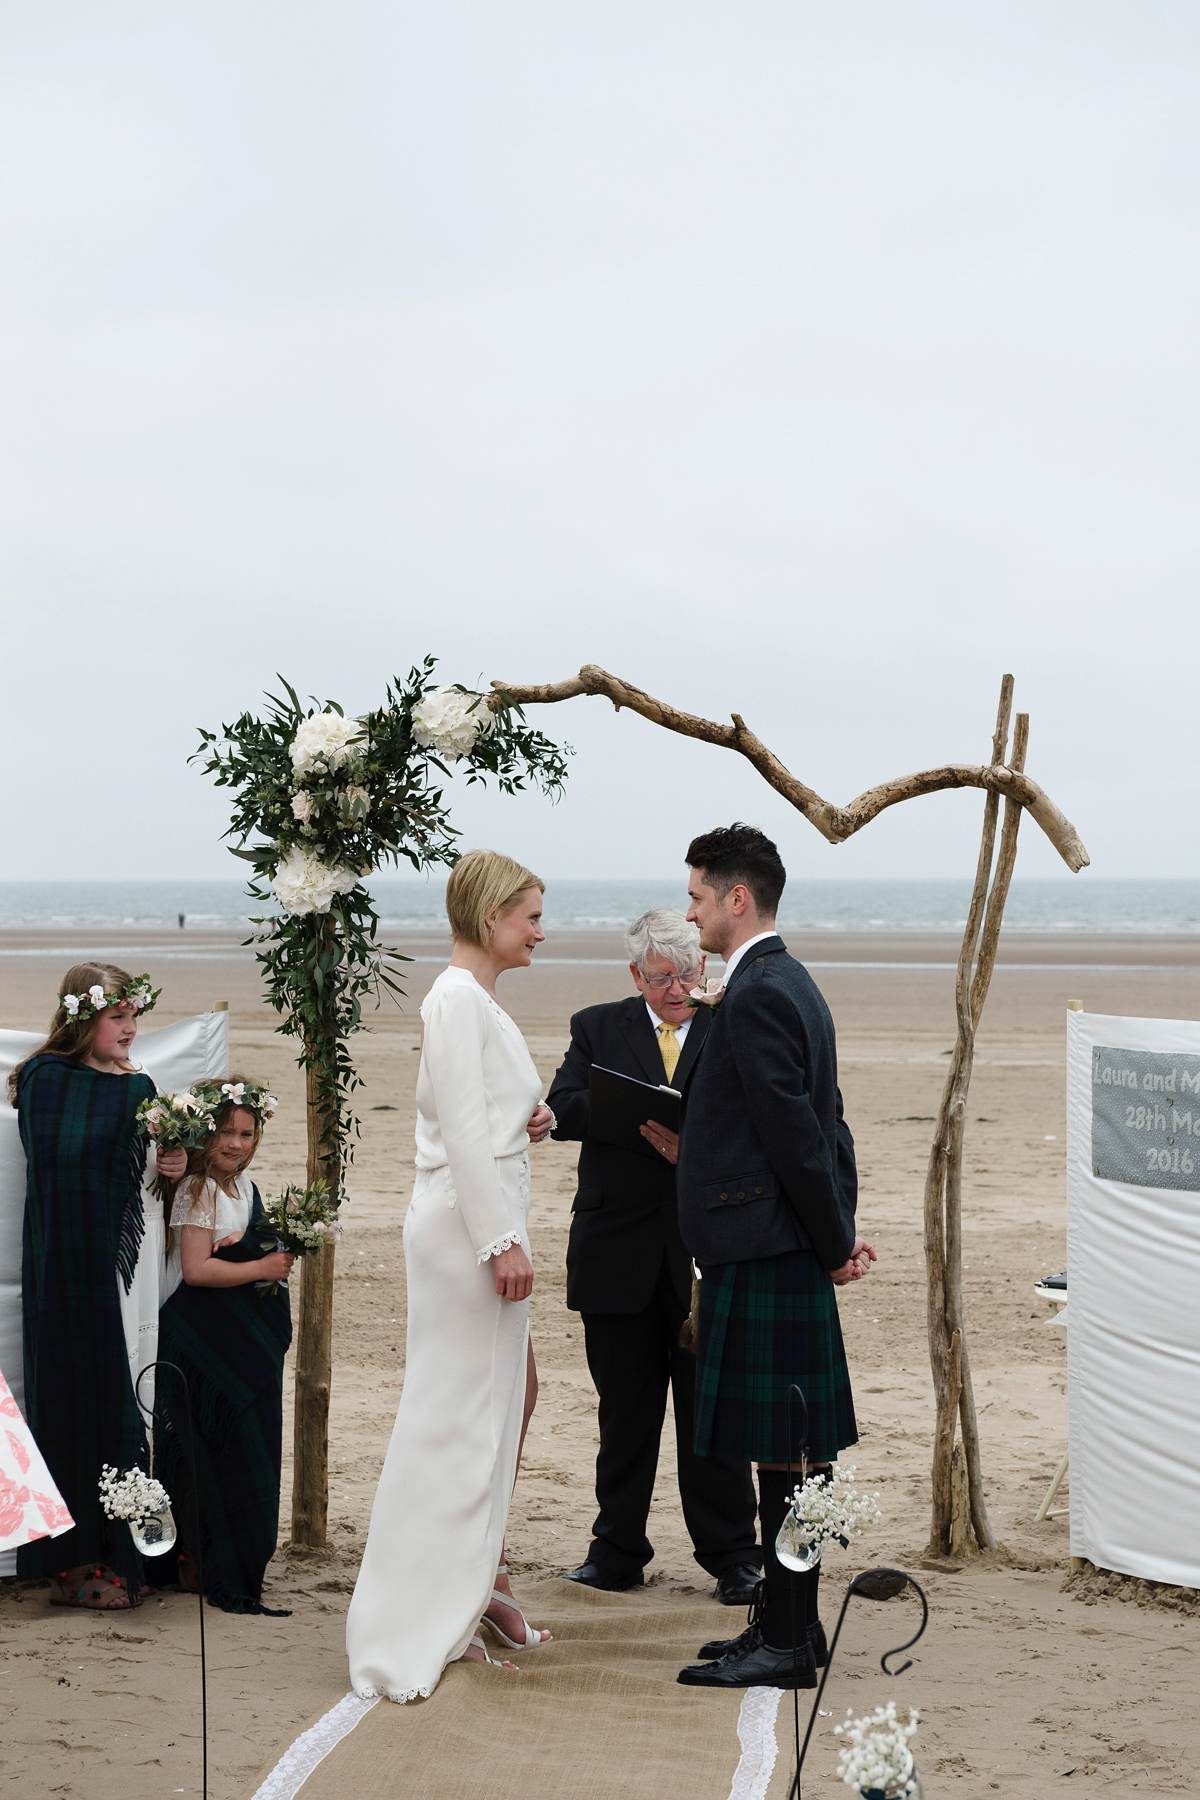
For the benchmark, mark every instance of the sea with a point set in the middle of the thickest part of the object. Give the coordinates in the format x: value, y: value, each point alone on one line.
x: 1085, y: 904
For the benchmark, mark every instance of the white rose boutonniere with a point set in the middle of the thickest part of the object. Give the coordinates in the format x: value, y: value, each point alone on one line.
x: 710, y: 993
x: 449, y: 721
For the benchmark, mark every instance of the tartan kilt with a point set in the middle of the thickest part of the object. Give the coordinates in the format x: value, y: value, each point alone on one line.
x: 761, y: 1326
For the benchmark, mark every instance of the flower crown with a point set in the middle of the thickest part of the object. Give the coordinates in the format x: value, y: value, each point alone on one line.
x: 250, y: 1094
x: 137, y: 994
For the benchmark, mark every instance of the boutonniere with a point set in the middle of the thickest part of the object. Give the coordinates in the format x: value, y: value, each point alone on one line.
x: 710, y: 993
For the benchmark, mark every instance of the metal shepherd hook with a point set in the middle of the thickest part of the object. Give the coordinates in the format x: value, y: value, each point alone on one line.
x: 191, y: 1445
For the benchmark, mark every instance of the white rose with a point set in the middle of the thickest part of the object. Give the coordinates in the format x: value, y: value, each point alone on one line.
x: 97, y: 996
x: 322, y: 741
x: 71, y: 1003
x: 302, y: 807
x: 449, y: 722
x: 304, y: 884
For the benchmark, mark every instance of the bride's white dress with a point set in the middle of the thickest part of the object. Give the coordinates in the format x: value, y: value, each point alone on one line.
x: 441, y: 1507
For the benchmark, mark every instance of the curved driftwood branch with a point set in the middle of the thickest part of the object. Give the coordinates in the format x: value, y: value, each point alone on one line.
x: 837, y: 823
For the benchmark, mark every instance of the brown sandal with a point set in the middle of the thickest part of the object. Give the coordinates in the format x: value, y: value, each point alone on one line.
x: 92, y: 1591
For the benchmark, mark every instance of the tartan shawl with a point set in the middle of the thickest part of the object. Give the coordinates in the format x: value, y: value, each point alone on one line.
x: 82, y: 1232
x: 229, y: 1342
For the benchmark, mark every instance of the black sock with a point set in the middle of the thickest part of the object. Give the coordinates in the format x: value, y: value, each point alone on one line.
x: 784, y: 1590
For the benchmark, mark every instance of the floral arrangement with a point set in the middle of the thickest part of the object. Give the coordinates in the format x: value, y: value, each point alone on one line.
x: 250, y: 1094
x: 710, y: 993
x: 322, y: 801
x: 300, y: 1221
x: 876, y: 1760
x: 175, y: 1122
x: 830, y: 1509
x: 139, y: 995
x: 133, y: 1496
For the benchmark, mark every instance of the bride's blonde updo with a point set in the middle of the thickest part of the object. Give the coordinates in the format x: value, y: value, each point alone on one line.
x: 484, y: 885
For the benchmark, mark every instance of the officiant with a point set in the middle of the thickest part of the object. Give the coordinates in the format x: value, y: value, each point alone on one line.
x: 630, y: 1279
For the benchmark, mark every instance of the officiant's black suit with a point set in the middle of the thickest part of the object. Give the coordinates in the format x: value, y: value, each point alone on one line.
x: 630, y: 1278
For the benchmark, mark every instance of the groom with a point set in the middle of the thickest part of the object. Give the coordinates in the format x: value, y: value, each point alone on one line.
x: 767, y: 1192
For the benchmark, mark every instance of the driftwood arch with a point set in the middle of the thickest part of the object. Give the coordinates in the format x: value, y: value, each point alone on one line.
x: 959, y: 1512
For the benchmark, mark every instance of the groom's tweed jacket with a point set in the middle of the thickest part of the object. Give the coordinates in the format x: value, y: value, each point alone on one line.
x: 766, y: 1162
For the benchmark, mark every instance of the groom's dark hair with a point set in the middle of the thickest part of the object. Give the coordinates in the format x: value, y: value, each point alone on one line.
x: 740, y: 855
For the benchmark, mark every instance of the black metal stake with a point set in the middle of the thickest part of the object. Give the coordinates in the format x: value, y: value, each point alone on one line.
x: 787, y: 1403
x: 872, y: 1584
x: 176, y: 1370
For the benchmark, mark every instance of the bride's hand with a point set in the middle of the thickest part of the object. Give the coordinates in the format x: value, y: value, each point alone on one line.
x: 541, y: 1123
x: 514, y: 1274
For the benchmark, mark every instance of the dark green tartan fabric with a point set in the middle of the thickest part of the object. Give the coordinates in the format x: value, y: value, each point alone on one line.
x: 763, y: 1325
x: 83, y: 1227
x: 230, y: 1344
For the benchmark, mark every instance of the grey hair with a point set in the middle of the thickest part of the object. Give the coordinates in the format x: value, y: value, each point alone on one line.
x: 667, y: 933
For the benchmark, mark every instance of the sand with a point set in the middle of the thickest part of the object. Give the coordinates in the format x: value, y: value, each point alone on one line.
x: 1020, y: 1684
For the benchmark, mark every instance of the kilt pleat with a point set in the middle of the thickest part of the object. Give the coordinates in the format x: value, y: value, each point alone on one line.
x: 763, y: 1325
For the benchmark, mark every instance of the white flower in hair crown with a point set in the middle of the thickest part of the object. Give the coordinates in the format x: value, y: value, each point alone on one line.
x: 250, y: 1094
x: 139, y: 995
x: 449, y: 720
x: 305, y: 884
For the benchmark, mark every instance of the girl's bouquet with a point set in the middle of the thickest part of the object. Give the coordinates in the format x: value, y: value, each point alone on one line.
x: 827, y: 1509
x: 175, y: 1122
x: 301, y: 1221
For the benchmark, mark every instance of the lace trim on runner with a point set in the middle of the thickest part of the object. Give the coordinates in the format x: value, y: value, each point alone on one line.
x: 313, y: 1746
x: 499, y: 1247
x: 756, y: 1734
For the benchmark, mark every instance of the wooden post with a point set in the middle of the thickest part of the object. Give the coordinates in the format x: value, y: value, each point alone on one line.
x: 314, y: 1330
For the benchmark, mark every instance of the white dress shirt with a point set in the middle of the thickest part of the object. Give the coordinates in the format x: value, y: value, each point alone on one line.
x: 741, y: 950
x: 680, y: 1031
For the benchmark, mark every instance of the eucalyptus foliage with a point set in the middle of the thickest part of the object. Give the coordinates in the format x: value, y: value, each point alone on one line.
x: 320, y: 803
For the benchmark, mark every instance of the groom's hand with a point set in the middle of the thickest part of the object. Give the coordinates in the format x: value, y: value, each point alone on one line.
x: 664, y: 1141
x: 861, y: 1258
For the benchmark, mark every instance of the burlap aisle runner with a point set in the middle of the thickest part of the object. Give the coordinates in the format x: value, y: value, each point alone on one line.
x: 596, y: 1714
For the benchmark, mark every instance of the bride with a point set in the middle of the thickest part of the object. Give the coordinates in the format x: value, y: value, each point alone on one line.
x: 433, y: 1570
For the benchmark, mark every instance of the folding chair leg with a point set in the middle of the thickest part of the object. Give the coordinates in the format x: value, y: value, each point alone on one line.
x: 1043, y: 1511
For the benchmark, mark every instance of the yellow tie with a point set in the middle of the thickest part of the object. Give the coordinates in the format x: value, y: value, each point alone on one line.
x: 668, y: 1045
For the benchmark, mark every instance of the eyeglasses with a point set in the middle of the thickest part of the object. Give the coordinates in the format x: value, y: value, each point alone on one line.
x: 658, y: 983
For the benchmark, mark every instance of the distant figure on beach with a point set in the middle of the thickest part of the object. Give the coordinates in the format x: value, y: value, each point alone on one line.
x: 434, y: 1570
x: 767, y: 1196
x: 182, y: 917
x: 229, y: 1335
x: 630, y: 1278
x: 93, y: 1272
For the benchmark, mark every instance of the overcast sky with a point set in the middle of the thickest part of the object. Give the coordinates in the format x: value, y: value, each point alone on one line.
x: 818, y: 362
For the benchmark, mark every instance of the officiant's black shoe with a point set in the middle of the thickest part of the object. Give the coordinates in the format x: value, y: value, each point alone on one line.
x: 593, y: 1575
x: 756, y: 1665
x: 722, y: 1646
x: 737, y: 1586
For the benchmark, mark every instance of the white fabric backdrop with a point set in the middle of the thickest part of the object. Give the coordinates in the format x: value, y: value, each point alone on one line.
x: 195, y: 1049
x: 1133, y: 1272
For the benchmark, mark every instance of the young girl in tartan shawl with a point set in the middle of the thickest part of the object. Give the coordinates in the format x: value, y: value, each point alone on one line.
x: 228, y: 1332
x: 86, y: 1254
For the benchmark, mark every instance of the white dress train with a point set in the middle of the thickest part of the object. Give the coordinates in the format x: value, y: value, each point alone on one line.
x: 441, y: 1507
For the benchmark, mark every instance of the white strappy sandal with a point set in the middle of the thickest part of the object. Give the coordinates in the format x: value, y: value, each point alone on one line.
x: 477, y: 1643
x: 533, y: 1638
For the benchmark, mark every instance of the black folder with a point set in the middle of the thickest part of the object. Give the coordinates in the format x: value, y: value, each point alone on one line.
x: 618, y: 1106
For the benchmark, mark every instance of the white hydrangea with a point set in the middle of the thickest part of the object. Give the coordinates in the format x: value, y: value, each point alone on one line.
x: 322, y: 742
x: 305, y: 884
x: 449, y: 722
x: 876, y: 1757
